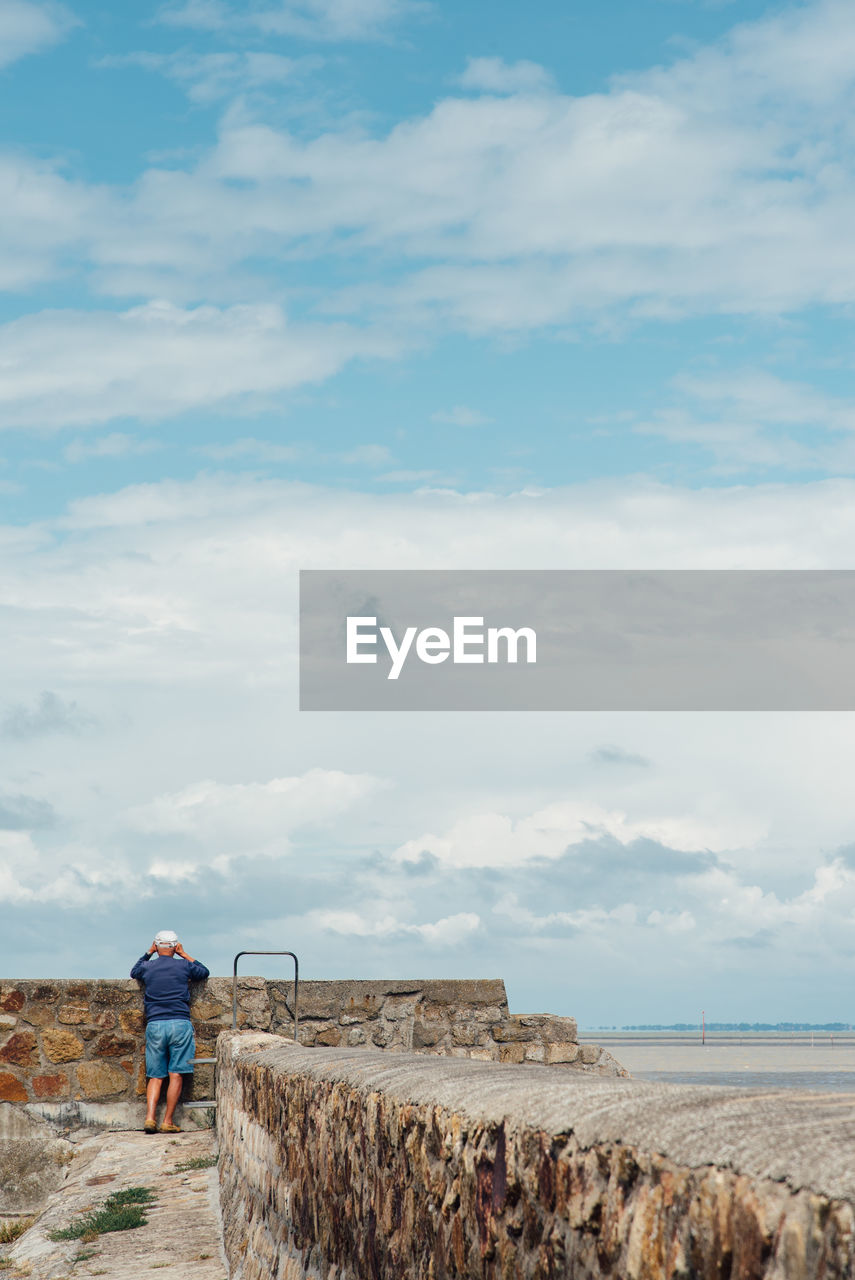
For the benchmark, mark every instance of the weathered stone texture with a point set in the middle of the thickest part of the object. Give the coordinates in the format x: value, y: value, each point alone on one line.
x: 61, y: 1046
x: 448, y: 1017
x: 20, y: 1048
x: 11, y: 1089
x: 55, y: 1086
x: 102, y: 1080
x: 73, y: 1013
x: 345, y: 1166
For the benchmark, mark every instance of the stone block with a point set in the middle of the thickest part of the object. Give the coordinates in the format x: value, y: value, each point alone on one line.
x: 556, y: 1053
x: 551, y: 1027
x: 72, y: 1014
x: 535, y: 1053
x: 426, y: 1034
x: 329, y: 1036
x: 7, y: 1022
x: 463, y: 991
x: 112, y: 1046
x: 77, y: 991
x: 50, y: 1086
x: 589, y: 1054
x: 314, y: 1003
x: 132, y: 1020
x: 11, y: 1089
x: 356, y: 1036
x: 256, y: 1008
x: 468, y: 1033
x: 61, y: 1046
x: 12, y: 1000
x: 511, y: 1052
x: 364, y: 1010
x: 39, y: 1015
x: 398, y: 1008
x: 45, y: 993
x: 106, y: 1019
x: 203, y: 1009
x: 101, y: 1079
x: 20, y: 1049
x: 113, y: 996
x: 512, y: 1031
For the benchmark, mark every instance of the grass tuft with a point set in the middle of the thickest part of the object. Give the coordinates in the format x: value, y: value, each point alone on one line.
x: 10, y: 1231
x: 130, y: 1195
x: 197, y: 1162
x: 121, y: 1211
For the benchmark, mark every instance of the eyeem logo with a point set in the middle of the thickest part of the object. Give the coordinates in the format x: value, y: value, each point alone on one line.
x: 467, y: 643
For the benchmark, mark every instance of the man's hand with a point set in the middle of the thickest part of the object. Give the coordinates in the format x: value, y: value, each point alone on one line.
x: 152, y: 949
x: 179, y: 951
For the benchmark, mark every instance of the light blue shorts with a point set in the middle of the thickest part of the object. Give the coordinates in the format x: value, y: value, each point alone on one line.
x: 169, y: 1048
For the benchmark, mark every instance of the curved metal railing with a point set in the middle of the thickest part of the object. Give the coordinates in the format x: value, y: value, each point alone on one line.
x: 266, y: 953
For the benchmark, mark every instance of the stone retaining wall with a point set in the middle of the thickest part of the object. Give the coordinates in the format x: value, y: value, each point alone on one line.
x: 347, y: 1164
x: 83, y: 1040
x: 452, y: 1018
x: 79, y: 1040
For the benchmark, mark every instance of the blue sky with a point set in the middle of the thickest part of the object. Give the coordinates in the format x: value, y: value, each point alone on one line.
x: 399, y: 283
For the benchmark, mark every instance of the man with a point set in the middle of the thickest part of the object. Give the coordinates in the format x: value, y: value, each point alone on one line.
x: 169, y: 1043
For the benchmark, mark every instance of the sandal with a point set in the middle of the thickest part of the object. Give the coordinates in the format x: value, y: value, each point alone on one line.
x: 170, y: 1128
x: 150, y: 1126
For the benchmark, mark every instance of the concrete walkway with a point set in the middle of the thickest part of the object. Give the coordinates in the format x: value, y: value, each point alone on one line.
x: 182, y: 1237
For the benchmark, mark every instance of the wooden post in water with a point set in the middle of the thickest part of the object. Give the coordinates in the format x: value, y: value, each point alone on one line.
x: 703, y: 1027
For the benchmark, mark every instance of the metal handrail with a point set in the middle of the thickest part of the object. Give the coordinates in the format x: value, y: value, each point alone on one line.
x: 265, y: 953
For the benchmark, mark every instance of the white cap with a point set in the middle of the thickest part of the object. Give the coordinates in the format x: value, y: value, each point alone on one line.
x: 166, y: 938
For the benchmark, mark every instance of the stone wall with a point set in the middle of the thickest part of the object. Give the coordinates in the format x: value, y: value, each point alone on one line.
x: 347, y: 1164
x: 82, y: 1041
x: 452, y: 1018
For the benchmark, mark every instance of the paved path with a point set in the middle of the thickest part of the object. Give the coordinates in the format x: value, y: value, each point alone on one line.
x: 182, y: 1238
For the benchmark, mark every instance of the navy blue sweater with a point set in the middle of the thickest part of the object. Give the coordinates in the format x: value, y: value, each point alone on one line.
x: 167, y: 985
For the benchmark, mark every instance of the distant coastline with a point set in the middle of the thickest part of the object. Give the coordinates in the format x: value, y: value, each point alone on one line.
x: 729, y: 1026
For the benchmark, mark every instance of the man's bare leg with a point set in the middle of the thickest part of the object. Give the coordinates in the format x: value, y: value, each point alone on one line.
x: 152, y: 1096
x: 173, y: 1093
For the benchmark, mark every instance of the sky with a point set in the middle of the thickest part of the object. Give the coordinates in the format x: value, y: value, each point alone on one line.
x: 406, y: 284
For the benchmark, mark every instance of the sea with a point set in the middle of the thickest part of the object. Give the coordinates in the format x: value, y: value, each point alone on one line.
x: 821, y: 1062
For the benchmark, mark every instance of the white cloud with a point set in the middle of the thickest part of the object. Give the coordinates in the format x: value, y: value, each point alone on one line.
x: 50, y: 714
x: 496, y: 840
x: 461, y: 416
x: 44, y: 216
x: 252, y: 816
x: 755, y: 419
x: 27, y: 28
x: 81, y: 368
x: 449, y: 931
x: 720, y: 183
x: 207, y: 77
x: 252, y: 450
x: 307, y: 19
x: 494, y: 75
x: 168, y: 612
x: 115, y: 445
x: 366, y: 455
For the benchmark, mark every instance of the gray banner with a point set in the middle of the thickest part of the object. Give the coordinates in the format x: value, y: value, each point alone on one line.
x: 577, y: 640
